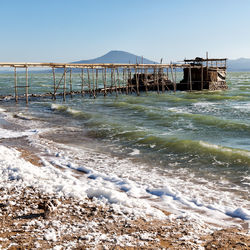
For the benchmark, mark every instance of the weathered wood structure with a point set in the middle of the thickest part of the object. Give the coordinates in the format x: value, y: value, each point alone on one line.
x: 208, y: 74
x: 199, y: 74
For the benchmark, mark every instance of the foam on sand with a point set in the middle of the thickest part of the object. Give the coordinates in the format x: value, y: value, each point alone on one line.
x: 48, y: 179
x: 5, y: 133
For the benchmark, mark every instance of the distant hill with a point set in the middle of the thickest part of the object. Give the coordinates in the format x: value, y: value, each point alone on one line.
x: 117, y: 56
x: 241, y: 64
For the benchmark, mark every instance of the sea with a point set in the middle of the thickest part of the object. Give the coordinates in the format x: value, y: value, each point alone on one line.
x: 185, y: 152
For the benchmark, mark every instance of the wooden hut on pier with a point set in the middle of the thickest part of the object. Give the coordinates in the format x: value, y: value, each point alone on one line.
x: 202, y: 74
x: 198, y: 74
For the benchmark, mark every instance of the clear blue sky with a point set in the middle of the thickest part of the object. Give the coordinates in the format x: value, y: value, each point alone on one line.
x: 63, y: 31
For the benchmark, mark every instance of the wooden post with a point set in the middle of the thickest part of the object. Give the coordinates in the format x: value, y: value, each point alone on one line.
x: 190, y: 78
x: 93, y: 78
x: 27, y: 86
x: 89, y: 84
x: 172, y: 74
x: 70, y: 82
x: 146, y: 79
x: 116, y: 91
x: 127, y: 77
x: 137, y: 82
x: 111, y: 80
x: 157, y: 81
x: 105, y: 79
x: 202, y: 76
x: 118, y: 79
x: 64, y: 86
x: 167, y: 79
x: 154, y: 78
x: 162, y: 81
x: 130, y: 81
x: 96, y: 80
x: 207, y: 66
x: 82, y: 85
x: 16, y: 95
x: 123, y: 80
x: 175, y: 75
x: 54, y: 79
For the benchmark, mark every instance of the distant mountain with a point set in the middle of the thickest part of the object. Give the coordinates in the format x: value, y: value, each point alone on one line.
x: 241, y: 64
x: 117, y: 56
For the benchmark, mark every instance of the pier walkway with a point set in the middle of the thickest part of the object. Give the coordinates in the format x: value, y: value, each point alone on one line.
x: 117, y: 78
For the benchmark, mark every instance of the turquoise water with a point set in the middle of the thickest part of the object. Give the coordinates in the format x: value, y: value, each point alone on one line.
x: 204, y: 133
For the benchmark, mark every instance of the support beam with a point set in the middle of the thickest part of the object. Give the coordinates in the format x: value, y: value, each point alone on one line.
x: 89, y: 83
x: 146, y: 79
x: 202, y: 83
x: 82, y: 85
x: 137, y: 82
x: 93, y: 79
x: 16, y: 94
x: 96, y: 79
x: 157, y: 81
x: 27, y: 85
x: 70, y: 82
x: 173, y: 80
x: 54, y: 80
x: 105, y: 81
x: 190, y: 78
x: 116, y: 91
x: 64, y: 85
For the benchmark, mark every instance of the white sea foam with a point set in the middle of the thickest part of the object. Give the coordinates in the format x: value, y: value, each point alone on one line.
x: 107, y: 177
x: 65, y: 108
x: 135, y: 152
x: 5, y: 133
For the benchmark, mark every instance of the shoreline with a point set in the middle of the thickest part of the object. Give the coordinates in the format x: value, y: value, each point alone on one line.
x: 34, y: 219
x: 40, y: 175
x: 30, y: 219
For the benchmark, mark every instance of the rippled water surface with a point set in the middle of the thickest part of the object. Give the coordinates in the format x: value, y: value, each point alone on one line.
x: 205, y: 134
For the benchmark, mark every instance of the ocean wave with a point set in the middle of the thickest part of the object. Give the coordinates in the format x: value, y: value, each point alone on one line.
x: 70, y: 111
x: 193, y: 147
x: 210, y: 120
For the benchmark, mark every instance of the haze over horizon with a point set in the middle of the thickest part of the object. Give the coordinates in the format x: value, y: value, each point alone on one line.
x: 59, y: 31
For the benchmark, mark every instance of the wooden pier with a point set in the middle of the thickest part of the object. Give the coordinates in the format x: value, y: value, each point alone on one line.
x: 117, y: 78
